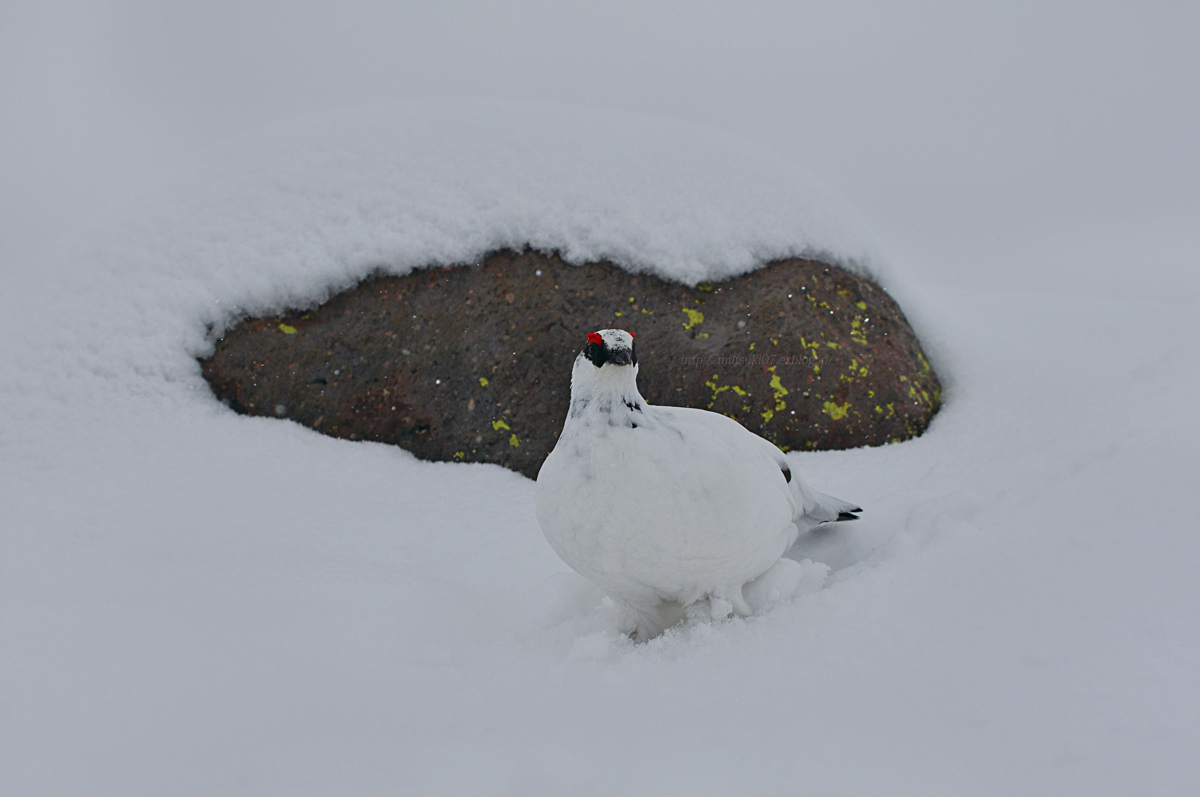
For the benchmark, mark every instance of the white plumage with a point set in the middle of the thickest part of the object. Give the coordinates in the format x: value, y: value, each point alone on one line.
x: 663, y: 506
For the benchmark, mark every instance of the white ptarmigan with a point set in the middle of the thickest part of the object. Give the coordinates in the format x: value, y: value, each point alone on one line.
x: 663, y: 506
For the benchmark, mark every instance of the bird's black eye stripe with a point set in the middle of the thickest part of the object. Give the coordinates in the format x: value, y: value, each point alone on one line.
x: 633, y: 353
x: 787, y: 473
x: 597, y: 354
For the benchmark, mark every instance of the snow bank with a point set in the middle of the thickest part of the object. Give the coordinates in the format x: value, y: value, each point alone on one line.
x: 443, y: 182
x: 288, y: 215
x: 195, y: 602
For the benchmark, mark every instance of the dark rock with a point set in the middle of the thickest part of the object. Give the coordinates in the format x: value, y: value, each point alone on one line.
x: 473, y: 363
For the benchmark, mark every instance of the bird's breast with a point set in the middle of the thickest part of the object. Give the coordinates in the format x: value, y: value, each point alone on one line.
x: 656, y: 504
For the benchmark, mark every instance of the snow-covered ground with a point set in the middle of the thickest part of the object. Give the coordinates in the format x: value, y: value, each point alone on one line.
x: 195, y: 602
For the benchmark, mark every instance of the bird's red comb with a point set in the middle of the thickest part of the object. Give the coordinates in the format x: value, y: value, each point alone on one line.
x: 594, y: 337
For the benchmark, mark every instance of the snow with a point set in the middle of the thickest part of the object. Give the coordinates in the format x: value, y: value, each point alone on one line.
x: 195, y: 602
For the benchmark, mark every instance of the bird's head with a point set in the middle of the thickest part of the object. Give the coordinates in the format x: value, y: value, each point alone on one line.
x: 610, y: 347
x: 605, y: 372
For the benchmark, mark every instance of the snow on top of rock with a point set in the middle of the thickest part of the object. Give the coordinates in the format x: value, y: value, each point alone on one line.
x: 292, y: 213
x: 399, y: 187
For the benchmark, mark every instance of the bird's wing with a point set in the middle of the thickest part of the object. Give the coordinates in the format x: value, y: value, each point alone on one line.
x: 727, y: 428
x: 812, y: 507
x: 731, y: 455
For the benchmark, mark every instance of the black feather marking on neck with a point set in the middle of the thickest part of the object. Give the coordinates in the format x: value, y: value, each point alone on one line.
x: 578, y: 406
x: 632, y: 406
x: 787, y: 473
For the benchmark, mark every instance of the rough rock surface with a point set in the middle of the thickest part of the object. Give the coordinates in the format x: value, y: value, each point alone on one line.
x: 473, y: 363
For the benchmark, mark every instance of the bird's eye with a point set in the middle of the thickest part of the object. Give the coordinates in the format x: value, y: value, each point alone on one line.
x: 594, y: 337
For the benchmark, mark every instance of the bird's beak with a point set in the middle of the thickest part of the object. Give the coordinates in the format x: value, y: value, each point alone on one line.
x: 619, y: 357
